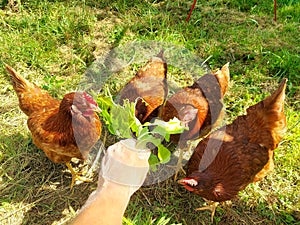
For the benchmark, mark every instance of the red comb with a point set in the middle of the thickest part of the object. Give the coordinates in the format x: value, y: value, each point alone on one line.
x: 89, y: 98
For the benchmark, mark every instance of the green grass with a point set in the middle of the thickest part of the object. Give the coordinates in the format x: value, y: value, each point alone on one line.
x: 53, y: 42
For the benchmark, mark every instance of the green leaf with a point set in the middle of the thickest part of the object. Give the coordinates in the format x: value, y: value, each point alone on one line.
x: 159, y: 130
x: 163, y: 154
x: 173, y: 126
x: 105, y: 103
x: 136, y: 124
x: 167, y: 137
x: 163, y: 221
x: 153, y: 162
x: 142, y: 132
x: 148, y: 138
x: 122, y: 120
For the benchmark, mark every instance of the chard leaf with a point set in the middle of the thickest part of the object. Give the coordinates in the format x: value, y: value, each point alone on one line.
x: 173, y: 126
x: 121, y: 121
x: 164, y: 154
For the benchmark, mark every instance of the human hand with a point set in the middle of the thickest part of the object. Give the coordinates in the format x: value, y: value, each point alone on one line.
x: 126, y: 165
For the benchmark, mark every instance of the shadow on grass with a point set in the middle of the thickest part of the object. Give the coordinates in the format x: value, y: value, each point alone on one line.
x: 38, y: 189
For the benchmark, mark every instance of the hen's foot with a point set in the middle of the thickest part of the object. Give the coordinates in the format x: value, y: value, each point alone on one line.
x: 76, y: 176
x: 179, y: 165
x: 212, y: 207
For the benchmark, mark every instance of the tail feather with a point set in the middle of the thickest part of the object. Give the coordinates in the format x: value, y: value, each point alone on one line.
x: 223, y: 77
x: 277, y: 119
x: 276, y: 100
x: 31, y: 97
x: 19, y: 83
x: 268, y: 115
x: 161, y: 54
x: 155, y: 67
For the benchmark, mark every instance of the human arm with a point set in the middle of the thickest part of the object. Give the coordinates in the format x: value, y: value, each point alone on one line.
x: 124, y: 169
x: 105, y: 206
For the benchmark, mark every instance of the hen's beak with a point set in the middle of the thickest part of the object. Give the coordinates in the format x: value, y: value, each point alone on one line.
x: 188, y: 183
x: 95, y: 108
x: 98, y: 109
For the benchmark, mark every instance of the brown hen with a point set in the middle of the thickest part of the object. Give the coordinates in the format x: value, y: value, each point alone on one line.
x: 148, y: 87
x: 62, y: 129
x: 235, y: 155
x: 199, y: 106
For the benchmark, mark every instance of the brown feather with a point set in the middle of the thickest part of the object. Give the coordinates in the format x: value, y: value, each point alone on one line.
x: 148, y: 87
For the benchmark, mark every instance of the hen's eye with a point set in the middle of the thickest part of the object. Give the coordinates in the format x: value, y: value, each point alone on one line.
x: 74, y: 109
